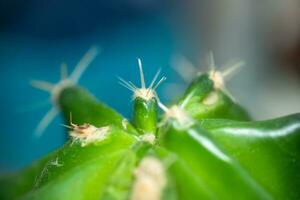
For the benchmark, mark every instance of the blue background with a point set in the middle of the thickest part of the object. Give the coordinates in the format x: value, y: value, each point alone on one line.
x: 37, y: 36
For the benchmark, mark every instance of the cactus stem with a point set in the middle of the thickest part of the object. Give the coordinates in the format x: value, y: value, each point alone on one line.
x: 65, y: 81
x: 145, y: 101
x: 150, y: 180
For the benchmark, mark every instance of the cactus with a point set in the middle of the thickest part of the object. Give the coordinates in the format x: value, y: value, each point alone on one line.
x: 204, y: 146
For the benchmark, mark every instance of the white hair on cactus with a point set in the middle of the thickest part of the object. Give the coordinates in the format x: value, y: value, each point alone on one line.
x: 148, y: 137
x: 150, y: 180
x: 218, y: 77
x: 177, y: 113
x: 56, y: 163
x: 87, y: 133
x: 65, y: 81
x: 184, y: 67
x: 143, y: 92
x: 125, y: 123
x: 211, y: 98
x: 188, y: 72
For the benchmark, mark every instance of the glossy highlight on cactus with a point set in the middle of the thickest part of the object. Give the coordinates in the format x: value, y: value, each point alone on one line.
x: 205, y: 146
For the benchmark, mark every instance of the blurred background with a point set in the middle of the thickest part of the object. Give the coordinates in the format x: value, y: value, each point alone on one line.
x: 36, y: 36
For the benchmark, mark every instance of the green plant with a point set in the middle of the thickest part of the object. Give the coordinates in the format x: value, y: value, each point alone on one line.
x: 205, y: 146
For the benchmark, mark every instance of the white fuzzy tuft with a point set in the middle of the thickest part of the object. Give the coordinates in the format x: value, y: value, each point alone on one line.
x: 217, y: 78
x: 177, y: 113
x: 211, y: 98
x: 88, y: 133
x: 55, y: 163
x: 146, y: 93
x: 125, y: 123
x: 148, y: 137
x: 150, y: 180
x: 188, y: 71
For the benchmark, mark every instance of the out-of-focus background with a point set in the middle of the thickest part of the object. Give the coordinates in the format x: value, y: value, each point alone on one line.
x: 36, y: 36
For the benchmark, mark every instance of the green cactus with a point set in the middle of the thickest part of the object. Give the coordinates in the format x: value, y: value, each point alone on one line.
x: 205, y: 146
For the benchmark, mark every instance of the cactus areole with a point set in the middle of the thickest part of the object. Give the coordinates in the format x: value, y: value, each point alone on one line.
x: 204, y: 146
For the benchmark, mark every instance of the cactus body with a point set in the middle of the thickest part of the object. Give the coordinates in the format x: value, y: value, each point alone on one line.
x: 205, y: 147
